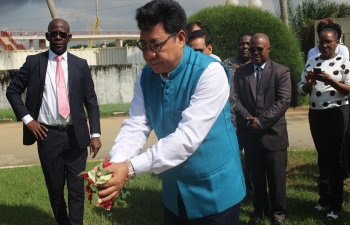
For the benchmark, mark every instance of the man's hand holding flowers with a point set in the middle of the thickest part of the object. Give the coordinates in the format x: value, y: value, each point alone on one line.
x: 109, y: 180
x: 111, y: 189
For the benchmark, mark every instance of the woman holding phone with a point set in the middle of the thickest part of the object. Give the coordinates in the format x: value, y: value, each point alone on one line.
x: 326, y: 78
x: 341, y: 50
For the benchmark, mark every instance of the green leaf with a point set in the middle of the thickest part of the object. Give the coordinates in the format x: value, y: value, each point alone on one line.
x: 103, y: 179
x: 105, y: 172
x: 92, y: 175
x: 100, y: 166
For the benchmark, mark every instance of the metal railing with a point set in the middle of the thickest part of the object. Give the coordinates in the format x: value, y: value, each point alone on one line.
x: 6, y: 46
x: 14, y: 43
x: 77, y: 32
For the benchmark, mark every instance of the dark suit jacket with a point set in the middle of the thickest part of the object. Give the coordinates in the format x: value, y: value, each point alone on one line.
x: 31, y: 76
x: 268, y: 105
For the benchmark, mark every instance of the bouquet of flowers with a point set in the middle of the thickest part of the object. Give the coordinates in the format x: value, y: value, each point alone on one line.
x: 100, y: 177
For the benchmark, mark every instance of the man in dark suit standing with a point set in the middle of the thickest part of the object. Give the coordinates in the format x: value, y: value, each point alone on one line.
x: 58, y: 86
x: 263, y: 93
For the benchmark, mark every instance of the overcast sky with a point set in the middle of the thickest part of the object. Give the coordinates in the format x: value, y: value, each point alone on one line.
x: 34, y: 15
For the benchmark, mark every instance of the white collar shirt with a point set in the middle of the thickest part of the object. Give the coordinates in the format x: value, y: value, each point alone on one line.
x: 262, y: 68
x: 48, y: 113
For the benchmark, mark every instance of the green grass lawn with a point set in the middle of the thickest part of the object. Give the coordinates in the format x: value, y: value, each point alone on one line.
x: 24, y: 199
x: 105, y: 110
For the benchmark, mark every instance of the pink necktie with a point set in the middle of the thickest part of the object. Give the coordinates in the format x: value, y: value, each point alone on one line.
x: 61, y: 90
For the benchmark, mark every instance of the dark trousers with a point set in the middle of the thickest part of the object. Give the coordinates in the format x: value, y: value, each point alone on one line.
x: 267, y: 169
x: 62, y: 159
x: 228, y: 217
x: 346, y: 151
x: 346, y: 154
x: 328, y: 127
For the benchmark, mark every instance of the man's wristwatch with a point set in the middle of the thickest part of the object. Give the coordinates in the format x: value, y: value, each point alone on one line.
x: 131, y: 171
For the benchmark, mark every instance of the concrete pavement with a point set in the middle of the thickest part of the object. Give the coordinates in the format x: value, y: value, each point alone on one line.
x: 13, y: 153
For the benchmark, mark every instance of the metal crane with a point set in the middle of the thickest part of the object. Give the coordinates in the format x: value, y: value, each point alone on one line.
x: 95, y: 31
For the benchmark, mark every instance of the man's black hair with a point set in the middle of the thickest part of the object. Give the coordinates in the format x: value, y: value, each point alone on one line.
x: 167, y: 12
x: 244, y: 34
x: 192, y: 24
x: 200, y: 34
x: 333, y: 27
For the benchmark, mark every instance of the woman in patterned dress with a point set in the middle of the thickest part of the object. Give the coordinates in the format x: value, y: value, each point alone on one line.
x: 328, y: 115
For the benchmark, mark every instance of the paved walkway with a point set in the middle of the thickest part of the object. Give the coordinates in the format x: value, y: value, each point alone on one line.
x: 13, y: 153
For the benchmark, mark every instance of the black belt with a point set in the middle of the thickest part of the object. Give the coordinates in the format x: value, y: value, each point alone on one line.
x: 61, y: 128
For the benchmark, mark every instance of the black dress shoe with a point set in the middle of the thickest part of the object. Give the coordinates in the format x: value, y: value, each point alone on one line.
x: 277, y: 222
x: 254, y: 220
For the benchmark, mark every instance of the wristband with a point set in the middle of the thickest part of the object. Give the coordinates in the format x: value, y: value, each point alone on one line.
x: 131, y: 171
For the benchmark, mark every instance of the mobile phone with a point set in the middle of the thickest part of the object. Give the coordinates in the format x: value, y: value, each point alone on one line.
x: 317, y: 70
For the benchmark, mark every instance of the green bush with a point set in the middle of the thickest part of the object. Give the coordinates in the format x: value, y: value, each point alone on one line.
x: 225, y: 23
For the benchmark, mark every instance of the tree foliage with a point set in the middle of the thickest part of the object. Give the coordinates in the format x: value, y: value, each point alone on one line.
x: 225, y: 23
x: 78, y: 46
x: 302, y: 17
x: 130, y: 42
x: 125, y: 42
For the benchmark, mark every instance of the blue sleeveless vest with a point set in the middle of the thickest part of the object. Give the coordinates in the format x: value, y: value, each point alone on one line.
x: 211, y: 180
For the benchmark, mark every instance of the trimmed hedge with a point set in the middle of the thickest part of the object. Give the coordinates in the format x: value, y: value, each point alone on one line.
x: 225, y: 23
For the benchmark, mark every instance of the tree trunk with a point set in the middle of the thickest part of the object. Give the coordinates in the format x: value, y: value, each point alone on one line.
x: 284, y: 11
x: 52, y: 9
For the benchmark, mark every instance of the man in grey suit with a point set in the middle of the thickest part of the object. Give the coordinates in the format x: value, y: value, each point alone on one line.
x: 262, y: 89
x: 60, y: 130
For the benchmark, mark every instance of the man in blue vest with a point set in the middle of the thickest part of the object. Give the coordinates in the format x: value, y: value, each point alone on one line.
x: 183, y: 95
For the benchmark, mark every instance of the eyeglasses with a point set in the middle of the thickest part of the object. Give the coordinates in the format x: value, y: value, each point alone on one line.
x: 253, y: 49
x: 154, y: 47
x: 327, y: 43
x: 54, y: 34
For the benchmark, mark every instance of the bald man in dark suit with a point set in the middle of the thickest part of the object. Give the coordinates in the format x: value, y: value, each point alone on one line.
x: 60, y: 130
x: 262, y: 89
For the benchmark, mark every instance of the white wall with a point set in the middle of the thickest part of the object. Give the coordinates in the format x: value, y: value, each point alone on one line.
x: 10, y: 60
x: 113, y: 83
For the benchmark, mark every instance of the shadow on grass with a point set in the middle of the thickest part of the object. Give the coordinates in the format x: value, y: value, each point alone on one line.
x: 24, y: 215
x: 144, y: 207
x: 302, y: 195
x: 303, y: 177
x: 301, y: 211
x: 158, y: 176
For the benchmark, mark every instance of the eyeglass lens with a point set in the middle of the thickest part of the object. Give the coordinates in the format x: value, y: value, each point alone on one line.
x: 54, y: 34
x: 328, y: 42
x: 154, y: 47
x: 253, y: 49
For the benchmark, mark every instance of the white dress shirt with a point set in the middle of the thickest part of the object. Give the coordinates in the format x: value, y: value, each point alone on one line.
x: 207, y: 102
x: 262, y: 69
x: 48, y: 113
x: 215, y: 57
